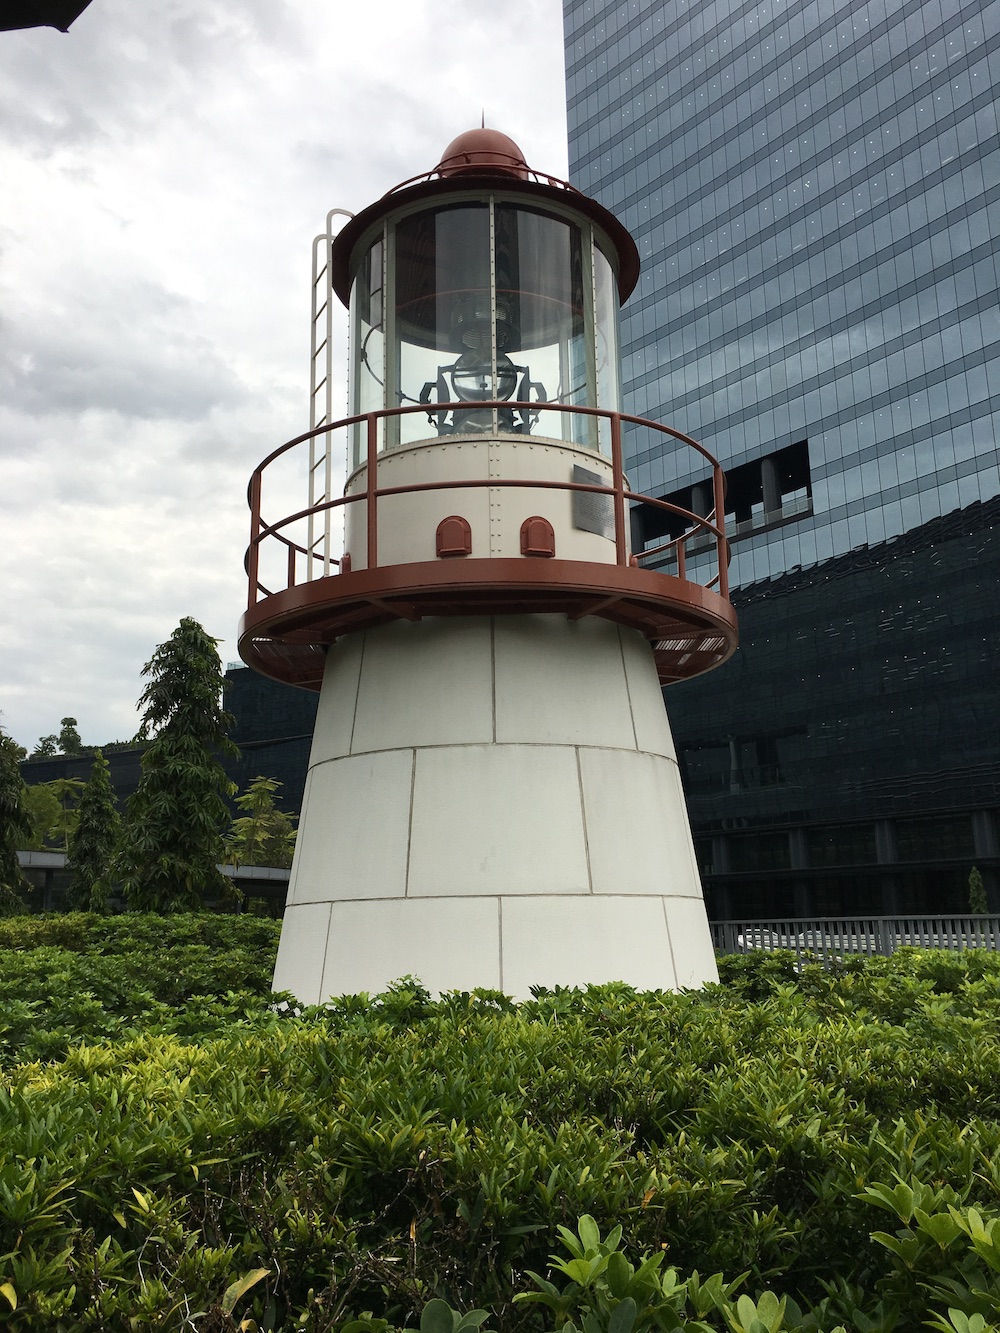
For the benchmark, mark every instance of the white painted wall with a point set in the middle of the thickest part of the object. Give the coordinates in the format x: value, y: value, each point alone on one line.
x: 492, y: 802
x: 407, y: 524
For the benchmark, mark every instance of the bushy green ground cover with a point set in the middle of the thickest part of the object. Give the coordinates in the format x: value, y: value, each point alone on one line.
x: 247, y: 1168
x: 78, y: 977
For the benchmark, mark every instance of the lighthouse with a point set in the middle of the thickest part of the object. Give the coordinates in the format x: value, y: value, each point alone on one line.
x: 493, y: 797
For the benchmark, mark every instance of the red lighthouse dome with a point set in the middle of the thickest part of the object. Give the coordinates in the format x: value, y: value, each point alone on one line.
x: 483, y: 151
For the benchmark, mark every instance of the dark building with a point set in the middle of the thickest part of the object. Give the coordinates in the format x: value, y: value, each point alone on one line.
x: 125, y: 767
x: 847, y: 760
x: 815, y: 191
x: 273, y: 729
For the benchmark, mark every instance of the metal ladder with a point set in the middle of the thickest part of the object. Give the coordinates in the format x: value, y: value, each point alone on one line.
x: 321, y: 470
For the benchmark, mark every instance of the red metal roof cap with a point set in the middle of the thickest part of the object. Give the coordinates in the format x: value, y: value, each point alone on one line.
x: 483, y: 152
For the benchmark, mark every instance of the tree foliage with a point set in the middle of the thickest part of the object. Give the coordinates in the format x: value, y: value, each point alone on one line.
x: 978, y: 901
x: 70, y: 741
x: 15, y: 827
x: 263, y: 835
x: 44, y: 811
x: 172, y: 840
x: 93, y: 841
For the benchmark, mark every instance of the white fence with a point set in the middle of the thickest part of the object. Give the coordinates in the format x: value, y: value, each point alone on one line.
x: 833, y: 938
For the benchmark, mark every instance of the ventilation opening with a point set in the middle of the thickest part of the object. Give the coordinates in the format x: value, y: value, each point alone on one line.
x: 454, y: 536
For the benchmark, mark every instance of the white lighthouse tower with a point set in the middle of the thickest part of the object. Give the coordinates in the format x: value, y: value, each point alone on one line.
x: 493, y: 797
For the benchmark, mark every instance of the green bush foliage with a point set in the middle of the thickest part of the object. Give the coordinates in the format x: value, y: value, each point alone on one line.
x: 79, y: 977
x: 978, y: 901
x: 825, y: 1145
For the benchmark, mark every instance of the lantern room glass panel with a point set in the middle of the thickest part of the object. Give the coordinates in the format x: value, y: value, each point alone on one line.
x: 606, y: 331
x: 367, y: 316
x: 540, y: 294
x: 443, y: 320
x: 484, y: 301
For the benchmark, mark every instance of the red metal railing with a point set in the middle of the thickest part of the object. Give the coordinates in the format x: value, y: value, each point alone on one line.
x: 712, y: 525
x: 522, y: 170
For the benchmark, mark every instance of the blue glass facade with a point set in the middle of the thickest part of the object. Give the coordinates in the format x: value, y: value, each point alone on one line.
x: 815, y: 191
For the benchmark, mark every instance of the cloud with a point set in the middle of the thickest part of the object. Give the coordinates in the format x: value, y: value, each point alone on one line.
x: 132, y: 348
x: 165, y: 169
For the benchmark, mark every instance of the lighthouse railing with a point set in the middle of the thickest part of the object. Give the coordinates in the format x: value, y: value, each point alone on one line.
x: 323, y: 564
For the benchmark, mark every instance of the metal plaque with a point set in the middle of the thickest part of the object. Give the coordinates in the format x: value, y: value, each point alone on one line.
x: 593, y: 513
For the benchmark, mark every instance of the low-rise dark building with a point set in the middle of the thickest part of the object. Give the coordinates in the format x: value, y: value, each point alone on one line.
x: 847, y: 759
x: 273, y: 729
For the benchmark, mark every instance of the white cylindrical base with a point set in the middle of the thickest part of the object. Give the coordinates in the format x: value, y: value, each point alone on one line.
x: 493, y: 802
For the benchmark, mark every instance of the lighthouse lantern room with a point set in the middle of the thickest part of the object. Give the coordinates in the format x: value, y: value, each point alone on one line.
x: 493, y: 797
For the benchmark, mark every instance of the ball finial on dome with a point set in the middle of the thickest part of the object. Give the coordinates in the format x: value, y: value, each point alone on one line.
x: 482, y: 151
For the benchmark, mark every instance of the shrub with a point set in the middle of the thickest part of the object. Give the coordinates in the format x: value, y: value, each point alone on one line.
x: 214, y: 1159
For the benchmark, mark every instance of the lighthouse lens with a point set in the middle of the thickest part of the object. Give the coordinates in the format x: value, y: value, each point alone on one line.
x: 472, y: 378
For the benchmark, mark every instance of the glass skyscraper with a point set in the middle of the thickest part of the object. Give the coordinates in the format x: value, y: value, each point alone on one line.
x: 815, y: 191
x: 814, y: 186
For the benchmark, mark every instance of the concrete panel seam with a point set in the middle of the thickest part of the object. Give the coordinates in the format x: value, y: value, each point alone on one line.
x: 530, y: 895
x: 326, y: 950
x: 628, y: 688
x: 500, y: 939
x: 493, y: 673
x: 583, y: 817
x: 357, y: 689
x: 670, y: 939
x: 409, y: 823
x: 466, y: 745
x: 617, y: 749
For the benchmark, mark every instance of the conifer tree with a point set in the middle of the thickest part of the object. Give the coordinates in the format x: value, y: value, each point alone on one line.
x: 978, y: 902
x: 93, y: 841
x: 263, y: 835
x: 172, y: 837
x: 67, y: 792
x: 15, y: 827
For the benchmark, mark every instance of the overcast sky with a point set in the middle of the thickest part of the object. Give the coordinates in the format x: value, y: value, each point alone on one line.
x: 163, y: 169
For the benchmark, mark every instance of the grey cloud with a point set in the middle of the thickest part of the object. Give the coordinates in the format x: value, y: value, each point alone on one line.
x: 125, y: 68
x: 131, y: 352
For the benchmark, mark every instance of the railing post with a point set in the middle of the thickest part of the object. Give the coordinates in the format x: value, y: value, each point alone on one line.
x: 371, y: 496
x: 291, y: 567
x: 681, y: 559
x: 885, y: 936
x: 253, y: 562
x: 618, y: 480
x: 721, y: 547
x: 728, y: 942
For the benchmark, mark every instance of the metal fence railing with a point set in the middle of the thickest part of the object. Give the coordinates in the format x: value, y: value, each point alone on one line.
x: 839, y: 937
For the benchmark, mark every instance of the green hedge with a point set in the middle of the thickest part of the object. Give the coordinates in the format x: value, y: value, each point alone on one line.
x: 380, y: 1153
x: 79, y: 977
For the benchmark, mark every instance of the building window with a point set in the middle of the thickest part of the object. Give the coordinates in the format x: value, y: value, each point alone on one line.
x: 841, y: 845
x: 759, y: 851
x: 937, y: 839
x: 768, y: 492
